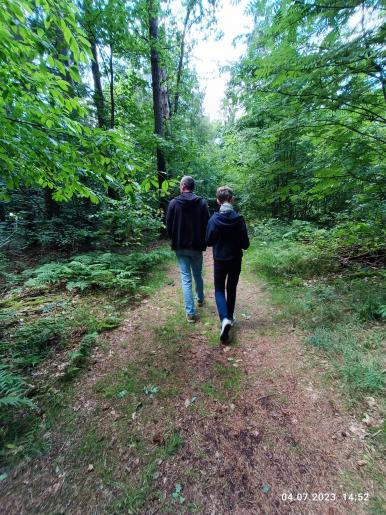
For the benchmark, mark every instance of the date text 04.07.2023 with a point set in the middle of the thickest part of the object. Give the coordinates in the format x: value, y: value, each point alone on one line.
x: 324, y: 496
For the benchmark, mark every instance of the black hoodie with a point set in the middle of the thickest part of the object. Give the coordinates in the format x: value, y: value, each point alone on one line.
x: 186, y: 221
x: 227, y: 234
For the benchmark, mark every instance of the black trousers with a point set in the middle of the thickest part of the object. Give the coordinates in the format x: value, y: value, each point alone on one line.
x: 226, y: 277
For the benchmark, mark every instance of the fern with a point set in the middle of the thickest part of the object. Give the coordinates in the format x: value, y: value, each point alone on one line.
x: 97, y: 270
x: 12, y: 390
x: 79, y: 357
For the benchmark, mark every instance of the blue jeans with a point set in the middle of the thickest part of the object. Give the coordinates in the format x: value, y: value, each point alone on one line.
x: 190, y: 261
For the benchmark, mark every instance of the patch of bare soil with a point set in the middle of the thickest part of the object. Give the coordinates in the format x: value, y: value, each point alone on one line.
x: 168, y: 421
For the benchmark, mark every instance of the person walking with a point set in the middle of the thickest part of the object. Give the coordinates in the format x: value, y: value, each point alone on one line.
x: 227, y: 234
x: 186, y: 221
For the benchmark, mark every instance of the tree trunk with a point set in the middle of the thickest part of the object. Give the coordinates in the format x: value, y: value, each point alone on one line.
x: 98, y: 91
x: 112, y: 100
x: 99, y: 101
x: 51, y: 206
x: 181, y: 59
x: 156, y: 87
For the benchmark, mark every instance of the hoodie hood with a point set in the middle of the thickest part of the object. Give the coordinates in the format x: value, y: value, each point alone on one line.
x: 227, y: 219
x: 187, y: 199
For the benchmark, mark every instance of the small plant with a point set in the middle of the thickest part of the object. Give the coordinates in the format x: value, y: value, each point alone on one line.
x: 151, y: 389
x: 32, y: 341
x: 173, y: 444
x: 13, y: 390
x: 177, y: 494
x: 78, y: 358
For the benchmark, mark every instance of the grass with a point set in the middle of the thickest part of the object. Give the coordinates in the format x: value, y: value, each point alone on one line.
x: 342, y: 309
x: 225, y: 383
x: 341, y: 312
x: 60, y: 326
x: 133, y: 497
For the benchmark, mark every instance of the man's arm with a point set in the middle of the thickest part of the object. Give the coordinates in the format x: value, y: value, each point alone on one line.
x: 207, y: 215
x: 209, y: 234
x: 244, y: 236
x: 170, y: 218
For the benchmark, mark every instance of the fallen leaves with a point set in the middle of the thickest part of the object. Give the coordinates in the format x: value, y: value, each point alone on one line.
x: 158, y: 439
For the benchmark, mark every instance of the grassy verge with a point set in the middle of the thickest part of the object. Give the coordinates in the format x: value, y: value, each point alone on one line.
x: 145, y: 389
x: 52, y: 316
x: 341, y: 307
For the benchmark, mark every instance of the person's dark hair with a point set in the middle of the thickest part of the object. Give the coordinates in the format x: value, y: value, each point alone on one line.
x: 188, y: 182
x: 224, y: 194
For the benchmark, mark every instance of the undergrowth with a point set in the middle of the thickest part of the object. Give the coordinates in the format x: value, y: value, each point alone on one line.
x: 342, y: 305
x: 52, y: 315
x: 96, y: 270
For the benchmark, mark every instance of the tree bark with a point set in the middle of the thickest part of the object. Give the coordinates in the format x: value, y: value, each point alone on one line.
x: 112, y: 99
x: 51, y: 206
x: 181, y: 59
x: 156, y: 87
x: 98, y: 91
x: 99, y: 100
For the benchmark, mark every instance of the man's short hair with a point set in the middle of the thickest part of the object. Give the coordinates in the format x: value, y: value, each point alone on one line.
x: 188, y: 182
x: 224, y: 194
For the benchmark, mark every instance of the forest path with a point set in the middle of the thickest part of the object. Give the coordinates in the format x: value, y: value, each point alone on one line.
x: 167, y: 421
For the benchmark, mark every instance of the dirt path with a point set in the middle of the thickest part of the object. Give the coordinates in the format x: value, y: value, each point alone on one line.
x: 167, y: 421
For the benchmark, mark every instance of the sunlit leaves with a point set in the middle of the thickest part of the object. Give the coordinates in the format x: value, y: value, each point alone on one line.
x: 312, y: 135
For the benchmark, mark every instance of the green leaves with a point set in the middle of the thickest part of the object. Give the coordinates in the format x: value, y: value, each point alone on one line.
x: 313, y: 131
x: 12, y: 390
x: 177, y: 494
x: 45, y: 137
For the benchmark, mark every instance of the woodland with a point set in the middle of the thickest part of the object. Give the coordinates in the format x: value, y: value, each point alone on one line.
x: 101, y: 113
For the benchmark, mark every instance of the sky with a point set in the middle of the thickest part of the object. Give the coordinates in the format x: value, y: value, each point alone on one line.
x: 208, y: 56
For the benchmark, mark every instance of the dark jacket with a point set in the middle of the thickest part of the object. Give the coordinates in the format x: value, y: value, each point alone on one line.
x: 186, y: 222
x: 227, y: 234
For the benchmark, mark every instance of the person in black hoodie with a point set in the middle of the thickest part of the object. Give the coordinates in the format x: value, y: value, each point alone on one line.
x: 186, y: 221
x: 227, y: 234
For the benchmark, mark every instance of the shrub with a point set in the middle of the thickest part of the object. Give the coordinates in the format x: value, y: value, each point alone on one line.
x: 127, y: 222
x: 7, y: 277
x: 97, y: 270
x: 289, y: 260
x: 31, y: 342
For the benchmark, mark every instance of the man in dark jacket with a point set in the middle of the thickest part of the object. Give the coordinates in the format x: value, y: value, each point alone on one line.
x: 186, y: 222
x: 227, y: 234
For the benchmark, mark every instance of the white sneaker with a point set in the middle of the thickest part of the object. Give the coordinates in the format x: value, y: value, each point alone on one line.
x: 226, y: 324
x: 233, y: 321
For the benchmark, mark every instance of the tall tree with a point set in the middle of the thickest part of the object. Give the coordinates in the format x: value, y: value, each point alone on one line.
x: 153, y: 21
x: 313, y: 128
x: 89, y: 22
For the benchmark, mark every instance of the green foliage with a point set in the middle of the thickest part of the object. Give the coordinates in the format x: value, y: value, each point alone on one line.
x: 309, y: 143
x: 7, y: 277
x: 97, y: 270
x: 360, y: 369
x: 339, y: 303
x: 13, y: 390
x: 173, y: 443
x: 128, y: 222
x: 79, y: 357
x: 45, y: 138
x: 289, y: 260
x: 32, y: 341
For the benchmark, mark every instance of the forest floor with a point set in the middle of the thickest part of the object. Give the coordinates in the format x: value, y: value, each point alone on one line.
x: 166, y: 420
